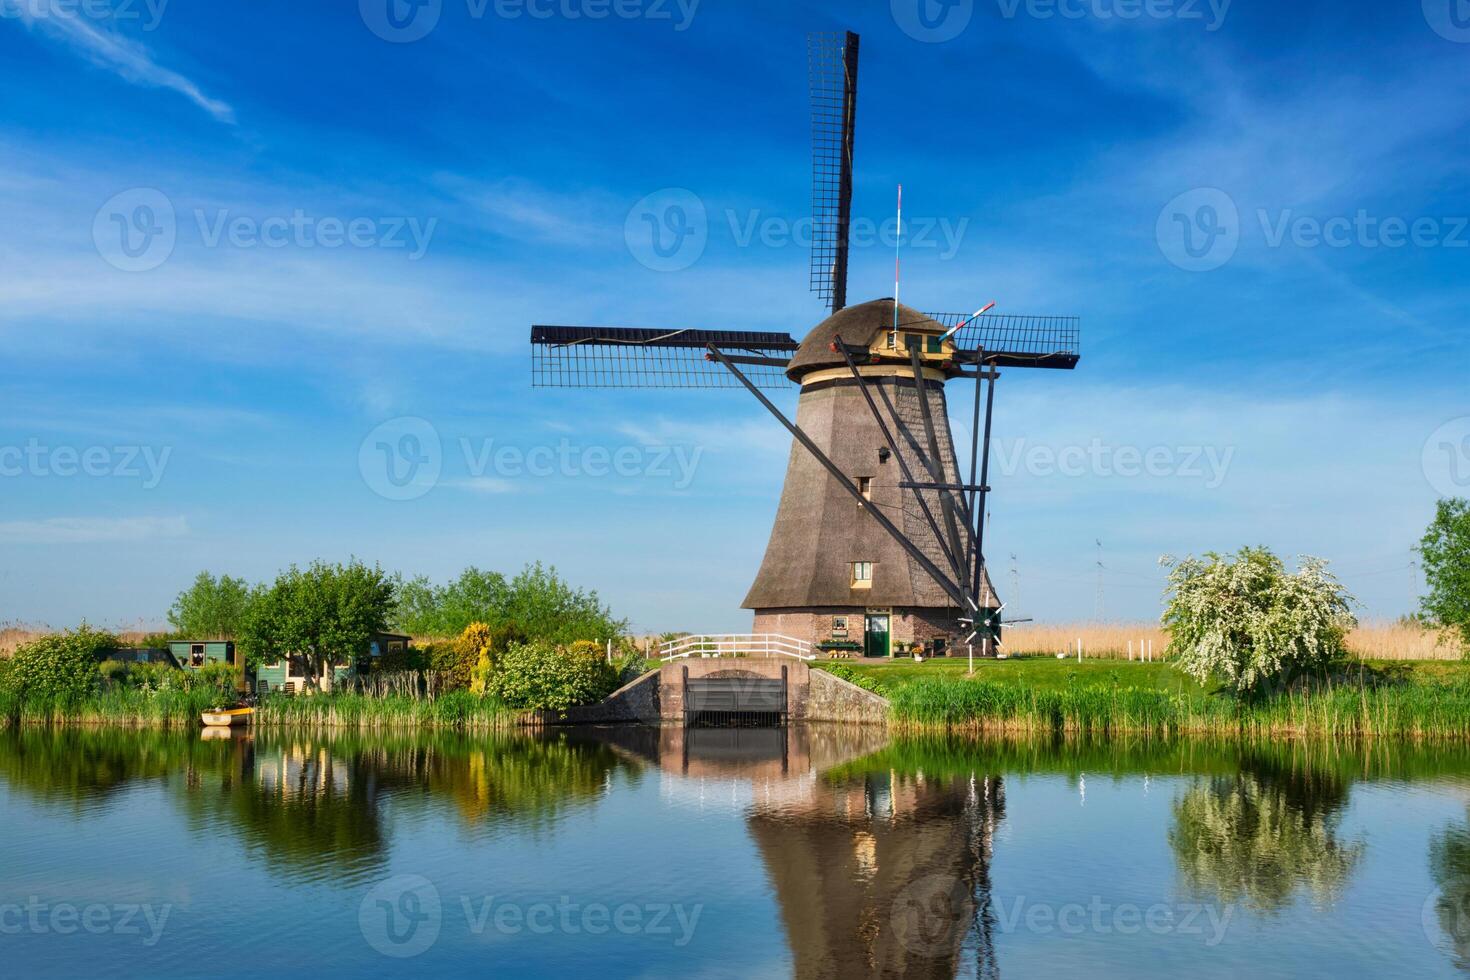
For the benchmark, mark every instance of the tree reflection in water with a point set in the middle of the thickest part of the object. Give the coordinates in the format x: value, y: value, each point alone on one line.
x: 1449, y: 864
x: 1258, y: 835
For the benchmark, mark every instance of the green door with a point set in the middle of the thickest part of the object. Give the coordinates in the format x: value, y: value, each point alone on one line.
x: 875, y: 642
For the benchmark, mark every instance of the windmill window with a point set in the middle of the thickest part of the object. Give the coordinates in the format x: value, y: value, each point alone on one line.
x: 935, y: 345
x: 862, y: 574
x: 865, y: 486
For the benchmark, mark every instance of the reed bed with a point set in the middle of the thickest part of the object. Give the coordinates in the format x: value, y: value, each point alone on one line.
x: 459, y: 710
x: 1374, y: 640
x: 1336, y: 710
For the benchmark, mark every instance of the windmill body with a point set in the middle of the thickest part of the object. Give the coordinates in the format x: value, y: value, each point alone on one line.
x: 831, y: 571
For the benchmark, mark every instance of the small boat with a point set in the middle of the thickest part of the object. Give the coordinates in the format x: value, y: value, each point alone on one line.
x: 230, y: 718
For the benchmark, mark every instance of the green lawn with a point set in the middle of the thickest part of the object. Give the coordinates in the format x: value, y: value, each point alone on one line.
x: 1049, y: 673
x: 1038, y: 672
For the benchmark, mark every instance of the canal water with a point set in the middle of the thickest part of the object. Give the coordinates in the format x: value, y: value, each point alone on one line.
x: 712, y: 853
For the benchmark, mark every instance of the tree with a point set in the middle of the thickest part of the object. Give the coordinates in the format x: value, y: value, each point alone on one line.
x: 325, y: 614
x: 212, y: 608
x: 1249, y: 621
x: 1445, y: 550
x: 537, y: 604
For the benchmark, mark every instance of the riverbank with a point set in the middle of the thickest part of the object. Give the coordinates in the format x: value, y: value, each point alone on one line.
x: 1041, y: 695
x: 458, y: 710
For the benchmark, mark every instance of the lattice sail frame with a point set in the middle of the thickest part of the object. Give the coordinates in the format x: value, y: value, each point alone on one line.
x: 832, y: 73
x: 632, y: 357
x: 1019, y: 340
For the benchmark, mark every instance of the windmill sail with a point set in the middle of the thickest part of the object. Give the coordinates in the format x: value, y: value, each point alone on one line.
x: 1012, y: 340
x: 630, y: 357
x: 832, y: 69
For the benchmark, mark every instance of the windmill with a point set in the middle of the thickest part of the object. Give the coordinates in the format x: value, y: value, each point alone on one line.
x: 876, y: 535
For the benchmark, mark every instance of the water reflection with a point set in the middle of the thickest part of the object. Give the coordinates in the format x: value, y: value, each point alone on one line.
x: 878, y: 871
x: 1449, y: 863
x: 878, y: 855
x: 1258, y: 835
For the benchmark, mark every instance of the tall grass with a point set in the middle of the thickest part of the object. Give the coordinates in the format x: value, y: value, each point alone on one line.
x: 1335, y: 709
x: 458, y: 710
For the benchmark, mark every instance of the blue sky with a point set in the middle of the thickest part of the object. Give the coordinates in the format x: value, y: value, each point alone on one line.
x: 336, y: 221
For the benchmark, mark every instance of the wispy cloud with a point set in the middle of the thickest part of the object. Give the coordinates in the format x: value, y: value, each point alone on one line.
x: 92, y: 530
x: 108, y: 49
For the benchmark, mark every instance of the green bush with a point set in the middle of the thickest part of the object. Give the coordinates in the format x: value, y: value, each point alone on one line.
x: 539, y: 675
x: 1247, y: 621
x: 60, y: 668
x: 114, y: 673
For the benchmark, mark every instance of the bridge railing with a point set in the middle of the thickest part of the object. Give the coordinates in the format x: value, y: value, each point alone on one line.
x: 736, y: 645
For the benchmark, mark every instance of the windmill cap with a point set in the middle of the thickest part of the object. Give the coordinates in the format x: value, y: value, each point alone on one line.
x: 856, y: 326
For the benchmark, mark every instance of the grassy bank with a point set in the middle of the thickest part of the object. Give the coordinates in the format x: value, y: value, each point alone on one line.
x: 1415, y: 700
x: 458, y: 710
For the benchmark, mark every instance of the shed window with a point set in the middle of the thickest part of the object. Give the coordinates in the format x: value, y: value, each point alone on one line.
x: 230, y: 655
x: 196, y: 655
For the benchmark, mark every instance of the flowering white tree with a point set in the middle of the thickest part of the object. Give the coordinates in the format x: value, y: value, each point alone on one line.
x: 1246, y: 620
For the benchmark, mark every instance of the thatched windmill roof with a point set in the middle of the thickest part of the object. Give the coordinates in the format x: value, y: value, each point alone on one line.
x: 857, y: 326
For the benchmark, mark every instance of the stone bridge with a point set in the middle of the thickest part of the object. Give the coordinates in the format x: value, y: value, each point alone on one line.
x: 720, y: 689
